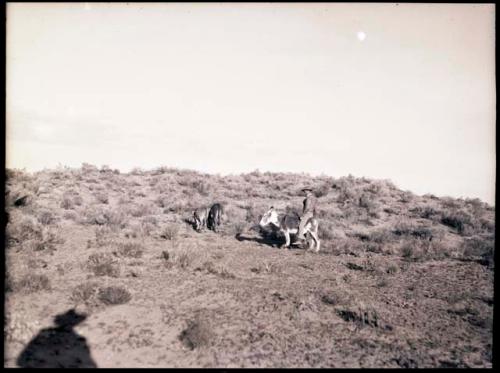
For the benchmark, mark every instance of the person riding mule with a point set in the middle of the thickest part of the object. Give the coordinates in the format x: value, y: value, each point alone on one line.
x: 308, y: 211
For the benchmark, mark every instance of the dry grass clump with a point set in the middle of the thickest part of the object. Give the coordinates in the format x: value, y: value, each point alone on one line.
x: 146, y: 228
x: 115, y: 218
x: 219, y: 270
x: 457, y: 219
x: 31, y: 235
x: 267, y: 267
x: 360, y: 314
x: 412, y: 251
x: 70, y: 215
x: 323, y: 189
x: 84, y: 293
x: 133, y: 231
x: 103, y: 235
x: 408, y: 228
x: 368, y: 202
x: 46, y: 217
x: 197, y: 334
x: 326, y: 231
x: 113, y: 295
x: 102, y: 197
x: 18, y: 196
x: 479, y: 248
x: 26, y: 229
x: 130, y: 250
x: 67, y: 203
x: 170, y: 232
x: 102, y: 264
x: 183, y: 259
x: 32, y: 283
x: 335, y: 297
x: 141, y: 209
x: 392, y: 269
x: 201, y: 187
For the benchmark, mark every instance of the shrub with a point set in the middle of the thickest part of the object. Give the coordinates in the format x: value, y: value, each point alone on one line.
x: 382, y: 283
x: 141, y: 209
x: 99, y: 216
x: 224, y: 273
x: 102, y: 197
x: 380, y: 236
x: 67, y: 203
x: 114, y: 295
x: 130, y: 250
x: 116, y: 218
x: 26, y: 229
x: 335, y: 298
x: 251, y: 214
x: 479, y: 247
x: 360, y: 314
x: 46, y: 217
x: 406, y: 197
x: 88, y: 168
x: 102, y: 235
x: 32, y: 283
x: 323, y: 189
x: 170, y: 232
x: 428, y: 212
x: 325, y: 231
x: 487, y: 224
x: 102, y: 264
x: 407, y: 251
x: 201, y: 187
x: 366, y: 201
x: 407, y: 228
x: 182, y: 259
x: 457, y: 219
x: 78, y: 200
x: 196, y: 335
x: 84, y: 293
x: 392, y: 269
x: 150, y: 220
x: 70, y: 215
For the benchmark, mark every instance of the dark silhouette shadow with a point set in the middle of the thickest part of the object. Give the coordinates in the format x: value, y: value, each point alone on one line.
x: 58, y: 347
x: 190, y: 222
x: 268, y: 238
x: 261, y: 240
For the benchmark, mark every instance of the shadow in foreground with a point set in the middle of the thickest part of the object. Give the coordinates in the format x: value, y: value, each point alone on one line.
x: 58, y: 347
x: 261, y: 240
x: 190, y: 222
x: 268, y: 239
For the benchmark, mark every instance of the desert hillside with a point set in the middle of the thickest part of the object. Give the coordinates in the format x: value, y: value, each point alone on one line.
x: 401, y: 280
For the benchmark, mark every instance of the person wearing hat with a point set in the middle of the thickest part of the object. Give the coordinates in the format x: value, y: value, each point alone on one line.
x: 308, y: 211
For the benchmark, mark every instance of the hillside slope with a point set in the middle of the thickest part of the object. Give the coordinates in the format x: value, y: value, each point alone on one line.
x: 401, y: 280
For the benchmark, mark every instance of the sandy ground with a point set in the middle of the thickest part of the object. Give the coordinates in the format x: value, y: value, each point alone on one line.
x: 216, y: 300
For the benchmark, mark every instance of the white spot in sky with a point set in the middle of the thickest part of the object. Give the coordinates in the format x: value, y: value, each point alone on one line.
x: 361, y: 35
x: 87, y: 6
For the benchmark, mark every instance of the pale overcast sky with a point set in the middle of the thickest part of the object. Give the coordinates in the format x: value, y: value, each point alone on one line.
x: 403, y: 92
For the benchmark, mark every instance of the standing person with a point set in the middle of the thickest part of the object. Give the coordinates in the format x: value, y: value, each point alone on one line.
x: 308, y: 211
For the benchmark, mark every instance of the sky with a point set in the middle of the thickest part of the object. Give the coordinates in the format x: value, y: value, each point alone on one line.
x: 404, y: 92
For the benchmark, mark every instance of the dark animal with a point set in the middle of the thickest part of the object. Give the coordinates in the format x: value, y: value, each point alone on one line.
x: 215, y: 217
